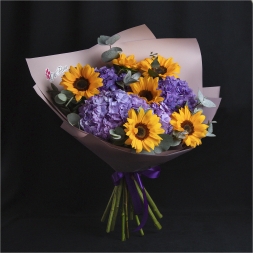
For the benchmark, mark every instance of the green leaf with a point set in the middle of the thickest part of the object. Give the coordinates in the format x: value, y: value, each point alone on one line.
x: 180, y: 135
x: 111, y: 54
x: 144, y: 152
x: 121, y: 84
x: 155, y: 63
x: 210, y: 134
x: 204, y: 101
x: 166, y: 143
x: 118, y: 136
x: 197, y: 110
x: 152, y: 73
x: 54, y: 87
x: 128, y: 78
x: 102, y: 39
x: 112, y: 39
x: 60, y: 98
x: 67, y: 93
x: 210, y: 129
x: 73, y: 119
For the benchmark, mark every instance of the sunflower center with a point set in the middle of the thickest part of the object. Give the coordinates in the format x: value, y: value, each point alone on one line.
x: 143, y: 131
x: 188, y: 126
x: 160, y: 70
x: 81, y: 84
x: 146, y: 94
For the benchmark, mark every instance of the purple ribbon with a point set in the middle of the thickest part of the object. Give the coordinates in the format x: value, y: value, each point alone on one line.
x: 153, y: 172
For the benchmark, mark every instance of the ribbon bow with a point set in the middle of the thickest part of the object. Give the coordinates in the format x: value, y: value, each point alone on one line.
x: 153, y: 172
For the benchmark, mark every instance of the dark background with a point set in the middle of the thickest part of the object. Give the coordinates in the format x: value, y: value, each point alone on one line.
x: 54, y: 190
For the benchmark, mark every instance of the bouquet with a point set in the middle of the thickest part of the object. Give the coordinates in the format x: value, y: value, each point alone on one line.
x: 136, y: 105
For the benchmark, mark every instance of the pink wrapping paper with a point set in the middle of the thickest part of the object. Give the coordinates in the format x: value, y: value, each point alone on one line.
x: 139, y: 41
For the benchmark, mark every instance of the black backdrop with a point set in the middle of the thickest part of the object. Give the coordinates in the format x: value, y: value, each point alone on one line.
x: 54, y: 190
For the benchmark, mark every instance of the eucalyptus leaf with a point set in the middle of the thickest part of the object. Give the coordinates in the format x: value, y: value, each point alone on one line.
x: 208, y: 103
x: 118, y: 136
x: 136, y: 76
x: 197, y: 110
x: 200, y: 96
x: 68, y: 93
x: 112, y: 39
x: 102, y: 39
x: 114, y: 135
x: 121, y: 84
x: 180, y: 135
x: 73, y: 119
x: 60, y: 99
x: 117, y: 133
x: 210, y: 128
x: 111, y: 54
x: 204, y: 101
x: 210, y: 134
x: 127, y: 77
x: 167, y: 141
x: 64, y: 110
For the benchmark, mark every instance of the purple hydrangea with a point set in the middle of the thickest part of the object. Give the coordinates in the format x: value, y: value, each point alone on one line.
x: 163, y: 112
x: 109, y: 76
x: 176, y: 93
x: 107, y: 110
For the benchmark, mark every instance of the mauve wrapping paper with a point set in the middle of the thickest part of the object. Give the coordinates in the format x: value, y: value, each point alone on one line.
x: 139, y: 41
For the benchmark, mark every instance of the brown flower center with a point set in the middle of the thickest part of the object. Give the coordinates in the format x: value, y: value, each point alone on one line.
x: 143, y: 131
x: 160, y: 70
x: 188, y: 126
x: 146, y: 94
x: 81, y: 84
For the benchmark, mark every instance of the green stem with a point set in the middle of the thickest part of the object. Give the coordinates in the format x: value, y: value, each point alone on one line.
x: 138, y: 223
x: 123, y: 238
x: 153, y: 205
x: 107, y: 207
x: 131, y: 216
x: 69, y: 101
x: 114, y: 218
x: 126, y: 210
x: 156, y: 222
x: 112, y: 211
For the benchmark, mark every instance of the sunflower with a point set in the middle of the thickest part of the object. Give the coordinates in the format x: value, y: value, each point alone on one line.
x: 82, y: 81
x: 185, y: 121
x: 128, y: 62
x: 146, y: 88
x: 143, y: 129
x: 166, y: 68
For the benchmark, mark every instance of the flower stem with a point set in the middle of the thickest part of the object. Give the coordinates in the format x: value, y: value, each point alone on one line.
x: 107, y: 207
x: 131, y: 216
x: 69, y: 101
x: 114, y: 218
x: 153, y: 205
x: 123, y: 238
x: 138, y: 223
x: 112, y: 210
x: 126, y: 210
x: 156, y: 222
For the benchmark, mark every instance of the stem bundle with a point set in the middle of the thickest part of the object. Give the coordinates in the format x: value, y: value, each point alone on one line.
x: 120, y: 199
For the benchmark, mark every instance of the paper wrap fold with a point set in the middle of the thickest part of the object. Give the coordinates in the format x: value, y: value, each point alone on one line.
x: 139, y: 41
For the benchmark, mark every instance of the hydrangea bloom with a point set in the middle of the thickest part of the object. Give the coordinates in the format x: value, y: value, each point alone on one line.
x: 163, y: 112
x: 176, y: 93
x: 107, y: 110
x: 109, y: 76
